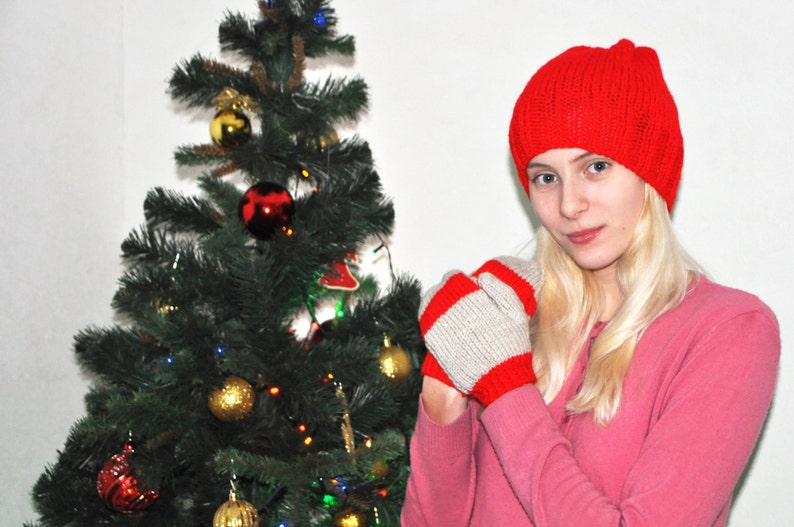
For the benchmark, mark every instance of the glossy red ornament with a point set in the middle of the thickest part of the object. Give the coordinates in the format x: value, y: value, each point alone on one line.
x: 118, y: 487
x: 322, y: 330
x: 265, y: 209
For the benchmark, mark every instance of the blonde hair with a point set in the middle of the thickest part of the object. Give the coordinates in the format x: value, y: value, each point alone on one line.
x: 654, y: 274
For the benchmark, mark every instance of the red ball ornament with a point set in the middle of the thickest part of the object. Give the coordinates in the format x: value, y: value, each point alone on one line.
x: 265, y: 209
x: 323, y: 330
x: 118, y: 487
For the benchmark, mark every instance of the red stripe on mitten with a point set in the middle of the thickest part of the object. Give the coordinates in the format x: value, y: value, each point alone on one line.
x: 432, y: 368
x: 523, y: 286
x: 456, y: 287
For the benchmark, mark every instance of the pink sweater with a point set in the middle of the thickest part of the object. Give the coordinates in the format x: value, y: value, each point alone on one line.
x: 694, y: 400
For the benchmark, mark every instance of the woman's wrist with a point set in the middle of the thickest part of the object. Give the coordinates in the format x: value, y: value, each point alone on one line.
x: 442, y: 403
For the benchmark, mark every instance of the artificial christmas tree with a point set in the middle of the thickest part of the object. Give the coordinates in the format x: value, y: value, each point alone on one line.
x: 250, y: 367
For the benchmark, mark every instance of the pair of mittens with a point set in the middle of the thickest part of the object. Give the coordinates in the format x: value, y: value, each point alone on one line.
x: 476, y: 328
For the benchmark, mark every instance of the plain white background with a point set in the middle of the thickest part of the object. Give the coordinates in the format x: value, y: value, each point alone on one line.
x: 88, y: 128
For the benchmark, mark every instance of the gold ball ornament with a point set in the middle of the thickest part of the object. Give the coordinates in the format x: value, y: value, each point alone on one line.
x: 379, y: 469
x: 349, y: 518
x: 230, y: 128
x: 395, y: 363
x: 323, y: 142
x: 236, y: 513
x: 233, y: 401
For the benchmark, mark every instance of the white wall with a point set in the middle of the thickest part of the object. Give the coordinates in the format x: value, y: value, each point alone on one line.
x: 61, y: 145
x: 88, y: 128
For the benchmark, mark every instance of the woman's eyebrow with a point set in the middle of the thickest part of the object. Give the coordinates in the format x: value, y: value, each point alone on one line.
x: 533, y: 164
x: 578, y: 157
x: 582, y: 156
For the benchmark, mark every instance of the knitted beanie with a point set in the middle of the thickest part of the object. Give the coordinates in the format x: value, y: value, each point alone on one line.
x: 613, y: 102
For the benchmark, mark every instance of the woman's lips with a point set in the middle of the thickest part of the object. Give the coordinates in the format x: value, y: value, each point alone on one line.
x: 584, y: 236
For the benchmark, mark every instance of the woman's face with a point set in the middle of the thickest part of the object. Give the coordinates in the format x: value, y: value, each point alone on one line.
x: 589, y: 203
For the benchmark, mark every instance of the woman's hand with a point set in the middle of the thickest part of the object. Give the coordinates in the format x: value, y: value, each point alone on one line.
x: 477, y: 327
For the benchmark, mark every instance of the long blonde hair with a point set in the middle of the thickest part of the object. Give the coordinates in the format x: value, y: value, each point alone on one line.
x: 654, y: 275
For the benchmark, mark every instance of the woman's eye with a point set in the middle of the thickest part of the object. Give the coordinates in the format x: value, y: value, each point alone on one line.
x: 544, y: 179
x: 598, y: 166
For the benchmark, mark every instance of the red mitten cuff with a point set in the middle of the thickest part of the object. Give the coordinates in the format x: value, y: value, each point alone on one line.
x: 512, y: 373
x: 432, y: 368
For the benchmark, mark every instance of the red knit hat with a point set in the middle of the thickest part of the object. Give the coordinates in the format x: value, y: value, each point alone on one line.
x: 610, y: 101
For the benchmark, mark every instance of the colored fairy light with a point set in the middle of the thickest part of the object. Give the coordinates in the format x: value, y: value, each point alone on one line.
x: 274, y: 391
x: 319, y: 18
x: 305, y: 173
x: 301, y: 427
x: 308, y: 440
x: 330, y: 501
x: 341, y: 483
x: 164, y: 309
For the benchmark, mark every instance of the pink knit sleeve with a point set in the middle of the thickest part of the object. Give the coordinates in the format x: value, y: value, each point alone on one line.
x: 440, y: 490
x: 710, y: 413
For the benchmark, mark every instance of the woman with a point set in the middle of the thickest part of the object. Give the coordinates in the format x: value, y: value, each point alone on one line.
x: 647, y: 385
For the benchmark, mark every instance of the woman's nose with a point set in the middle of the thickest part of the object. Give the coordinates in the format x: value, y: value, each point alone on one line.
x: 573, y: 200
